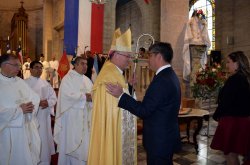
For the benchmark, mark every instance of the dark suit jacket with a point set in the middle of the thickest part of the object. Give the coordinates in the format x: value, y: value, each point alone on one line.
x: 234, y: 98
x: 90, y: 64
x: 159, y: 111
x: 101, y: 61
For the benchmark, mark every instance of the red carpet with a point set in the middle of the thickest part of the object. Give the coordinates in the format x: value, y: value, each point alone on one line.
x: 54, y: 159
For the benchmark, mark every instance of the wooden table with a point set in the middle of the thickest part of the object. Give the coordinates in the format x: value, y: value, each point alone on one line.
x: 196, y: 115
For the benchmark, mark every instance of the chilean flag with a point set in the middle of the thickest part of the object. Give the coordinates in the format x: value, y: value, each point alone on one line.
x: 19, y: 52
x: 83, y: 26
x: 8, y: 46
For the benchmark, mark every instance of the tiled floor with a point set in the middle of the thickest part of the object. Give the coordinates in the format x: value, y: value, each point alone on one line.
x: 187, y: 156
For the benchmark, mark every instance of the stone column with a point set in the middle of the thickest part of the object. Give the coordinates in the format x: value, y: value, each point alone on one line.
x: 109, y: 24
x: 174, y: 16
x: 47, y: 29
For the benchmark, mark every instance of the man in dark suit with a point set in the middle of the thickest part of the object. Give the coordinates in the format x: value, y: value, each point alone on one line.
x: 159, y: 108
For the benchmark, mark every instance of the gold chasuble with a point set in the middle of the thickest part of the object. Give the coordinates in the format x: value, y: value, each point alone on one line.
x: 113, y: 138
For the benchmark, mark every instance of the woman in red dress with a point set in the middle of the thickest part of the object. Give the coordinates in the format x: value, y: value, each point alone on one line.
x: 232, y: 135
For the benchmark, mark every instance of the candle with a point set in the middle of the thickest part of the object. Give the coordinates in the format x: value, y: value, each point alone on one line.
x: 8, y: 37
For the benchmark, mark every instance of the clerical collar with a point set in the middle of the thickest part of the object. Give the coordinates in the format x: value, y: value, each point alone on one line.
x: 163, y: 67
x: 7, y: 79
x: 119, y: 69
x: 33, y: 77
x: 5, y: 76
x: 75, y: 72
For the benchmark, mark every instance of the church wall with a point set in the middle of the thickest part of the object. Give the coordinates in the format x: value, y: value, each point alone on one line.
x: 35, y: 33
x: 109, y: 24
x: 5, y: 23
x: 144, y: 18
x: 174, y: 17
x: 232, y: 26
x: 47, y: 29
x: 58, y: 28
x: 150, y: 21
x: 129, y: 15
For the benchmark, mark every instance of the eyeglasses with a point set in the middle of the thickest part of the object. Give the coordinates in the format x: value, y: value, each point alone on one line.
x: 14, y: 65
x: 151, y: 53
x: 125, y: 55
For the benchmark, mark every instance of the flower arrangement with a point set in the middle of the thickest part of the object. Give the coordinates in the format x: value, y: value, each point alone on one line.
x: 200, y: 14
x: 208, y: 81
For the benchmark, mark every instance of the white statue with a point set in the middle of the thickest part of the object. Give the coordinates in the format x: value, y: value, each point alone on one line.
x: 196, y: 44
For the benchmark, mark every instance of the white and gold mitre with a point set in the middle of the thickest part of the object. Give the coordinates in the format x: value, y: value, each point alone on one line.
x: 121, y: 42
x: 116, y: 35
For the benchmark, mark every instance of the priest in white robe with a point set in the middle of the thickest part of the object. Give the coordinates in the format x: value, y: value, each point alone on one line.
x: 73, y: 115
x: 46, y: 108
x: 45, y: 73
x: 19, y: 139
x: 26, y: 68
x: 54, y: 66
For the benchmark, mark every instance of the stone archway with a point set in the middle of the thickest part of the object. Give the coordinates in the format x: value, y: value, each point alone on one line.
x: 144, y: 18
x: 129, y: 16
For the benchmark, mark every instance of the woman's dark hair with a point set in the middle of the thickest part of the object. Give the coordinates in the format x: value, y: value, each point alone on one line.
x: 243, y: 63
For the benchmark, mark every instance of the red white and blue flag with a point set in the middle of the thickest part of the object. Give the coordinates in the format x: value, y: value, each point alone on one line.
x: 83, y: 26
x: 19, y: 53
x: 8, y: 46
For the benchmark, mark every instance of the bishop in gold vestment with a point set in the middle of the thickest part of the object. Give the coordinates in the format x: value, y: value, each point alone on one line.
x: 113, y: 132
